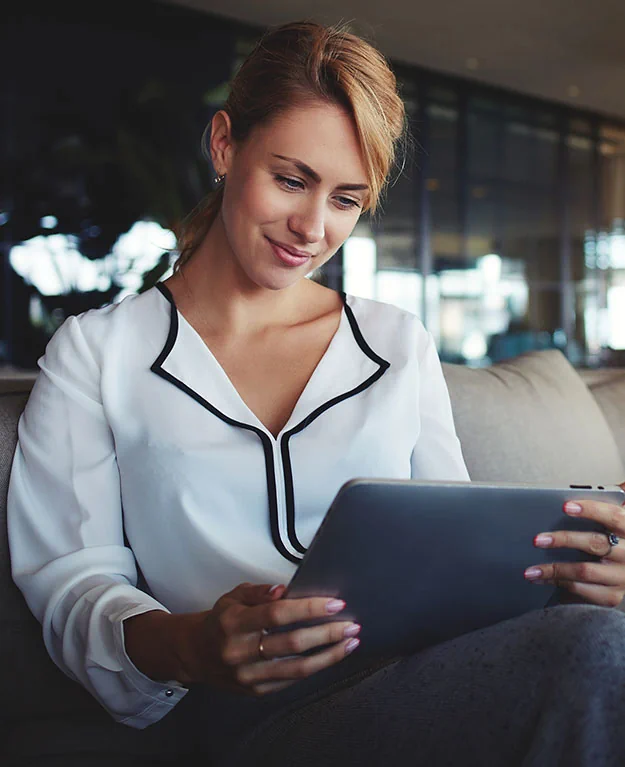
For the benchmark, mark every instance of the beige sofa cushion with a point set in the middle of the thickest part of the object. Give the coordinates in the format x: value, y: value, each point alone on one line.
x: 532, y: 419
x: 609, y: 391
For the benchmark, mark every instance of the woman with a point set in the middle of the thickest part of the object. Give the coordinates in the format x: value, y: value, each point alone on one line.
x: 179, y: 451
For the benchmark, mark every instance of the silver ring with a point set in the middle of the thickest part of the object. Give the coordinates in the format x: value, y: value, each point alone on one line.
x: 613, y: 540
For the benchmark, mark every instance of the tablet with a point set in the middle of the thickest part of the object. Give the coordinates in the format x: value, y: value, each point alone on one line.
x: 421, y: 562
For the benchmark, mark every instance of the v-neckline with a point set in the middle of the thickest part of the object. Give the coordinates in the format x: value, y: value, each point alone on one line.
x: 184, y: 322
x: 347, y: 369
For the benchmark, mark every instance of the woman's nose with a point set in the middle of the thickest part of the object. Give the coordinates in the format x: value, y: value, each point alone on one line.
x: 308, y: 222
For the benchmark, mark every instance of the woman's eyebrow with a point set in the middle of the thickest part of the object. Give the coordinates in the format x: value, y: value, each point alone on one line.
x: 308, y: 171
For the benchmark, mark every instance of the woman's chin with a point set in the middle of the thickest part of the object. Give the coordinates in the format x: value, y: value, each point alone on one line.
x: 277, y: 280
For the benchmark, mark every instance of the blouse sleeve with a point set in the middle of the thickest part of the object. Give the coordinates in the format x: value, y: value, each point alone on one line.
x: 437, y: 454
x: 66, y: 534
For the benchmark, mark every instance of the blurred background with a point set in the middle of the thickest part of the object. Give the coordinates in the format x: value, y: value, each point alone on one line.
x: 504, y: 232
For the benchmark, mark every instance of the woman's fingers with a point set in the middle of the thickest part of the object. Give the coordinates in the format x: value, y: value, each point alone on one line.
x: 247, y: 647
x: 292, y: 669
x: 596, y: 544
x: 583, y: 572
x: 283, y: 612
x: 296, y: 642
x: 609, y: 514
x: 600, y: 583
x: 245, y: 655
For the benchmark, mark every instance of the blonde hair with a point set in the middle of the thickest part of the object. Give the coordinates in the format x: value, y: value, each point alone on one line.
x: 305, y: 62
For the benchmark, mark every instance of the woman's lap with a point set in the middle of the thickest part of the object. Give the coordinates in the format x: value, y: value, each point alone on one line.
x: 544, y: 689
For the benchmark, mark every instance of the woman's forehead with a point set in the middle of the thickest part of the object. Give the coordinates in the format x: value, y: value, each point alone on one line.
x: 322, y: 136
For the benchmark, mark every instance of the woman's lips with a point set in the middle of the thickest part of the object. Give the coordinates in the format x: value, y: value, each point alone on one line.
x: 285, y: 257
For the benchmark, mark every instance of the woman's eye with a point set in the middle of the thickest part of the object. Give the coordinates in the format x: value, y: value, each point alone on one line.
x: 289, y: 183
x: 294, y: 184
x: 347, y: 202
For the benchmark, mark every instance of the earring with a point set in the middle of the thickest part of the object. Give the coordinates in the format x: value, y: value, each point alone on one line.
x: 219, y: 179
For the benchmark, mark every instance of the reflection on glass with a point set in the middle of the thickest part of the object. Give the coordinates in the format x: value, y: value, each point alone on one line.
x: 359, y: 264
x: 600, y: 296
x: 501, y: 291
x: 55, y: 266
x: 482, y: 310
x: 616, y: 315
x: 362, y: 278
x: 403, y: 289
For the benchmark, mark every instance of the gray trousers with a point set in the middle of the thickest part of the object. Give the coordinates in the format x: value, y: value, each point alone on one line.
x: 541, y: 690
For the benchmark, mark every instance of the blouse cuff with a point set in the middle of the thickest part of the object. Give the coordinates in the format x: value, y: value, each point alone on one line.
x: 159, y: 697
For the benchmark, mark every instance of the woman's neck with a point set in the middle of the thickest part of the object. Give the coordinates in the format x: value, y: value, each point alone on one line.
x: 217, y: 297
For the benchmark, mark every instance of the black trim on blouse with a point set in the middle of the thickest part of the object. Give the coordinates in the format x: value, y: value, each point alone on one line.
x: 284, y: 443
x: 270, y: 468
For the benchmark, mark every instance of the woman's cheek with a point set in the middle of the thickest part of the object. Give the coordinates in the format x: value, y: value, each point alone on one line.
x: 243, y: 212
x: 266, y: 203
x: 341, y: 230
x: 274, y: 205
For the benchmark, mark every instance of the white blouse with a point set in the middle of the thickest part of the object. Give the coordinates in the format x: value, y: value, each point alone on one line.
x: 142, y: 480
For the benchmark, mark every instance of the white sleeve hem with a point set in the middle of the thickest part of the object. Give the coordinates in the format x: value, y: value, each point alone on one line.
x: 160, y: 697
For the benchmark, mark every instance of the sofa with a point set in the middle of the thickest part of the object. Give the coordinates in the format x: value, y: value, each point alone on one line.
x: 531, y: 419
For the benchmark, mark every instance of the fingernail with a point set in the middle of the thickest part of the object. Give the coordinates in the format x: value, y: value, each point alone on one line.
x: 352, y: 630
x: 273, y: 589
x: 533, y: 572
x: 351, y: 645
x: 334, y: 605
x: 572, y: 508
x: 543, y: 541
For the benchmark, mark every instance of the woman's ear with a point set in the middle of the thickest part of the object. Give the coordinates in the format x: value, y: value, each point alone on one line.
x: 221, y: 142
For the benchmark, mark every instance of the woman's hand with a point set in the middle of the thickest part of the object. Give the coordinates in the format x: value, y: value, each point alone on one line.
x: 231, y: 648
x: 228, y: 646
x: 601, y: 583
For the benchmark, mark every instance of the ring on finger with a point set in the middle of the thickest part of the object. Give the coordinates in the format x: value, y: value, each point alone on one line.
x: 261, y: 649
x: 613, y: 540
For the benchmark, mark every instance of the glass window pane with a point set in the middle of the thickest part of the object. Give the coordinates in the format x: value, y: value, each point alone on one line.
x: 600, y: 292
x: 530, y: 154
x: 395, y: 226
x: 484, y: 219
x: 504, y: 297
x: 381, y: 258
x: 484, y: 145
x: 531, y: 232
x: 442, y: 186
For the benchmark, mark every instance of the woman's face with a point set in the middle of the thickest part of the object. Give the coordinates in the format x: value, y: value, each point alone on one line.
x: 297, y: 182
